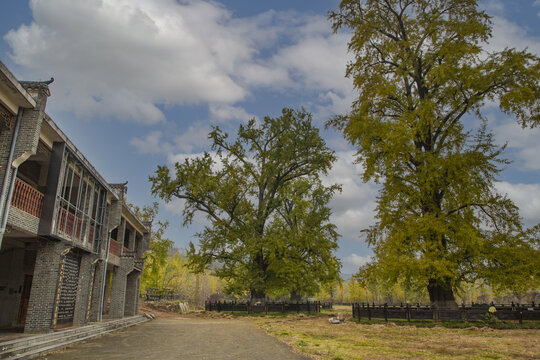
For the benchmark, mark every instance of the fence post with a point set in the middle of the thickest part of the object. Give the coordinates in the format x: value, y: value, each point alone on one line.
x: 436, y: 312
x: 266, y: 307
x: 283, y: 307
x: 368, y: 312
x: 520, y: 309
x: 386, y: 312
x: 408, y: 313
x: 297, y: 307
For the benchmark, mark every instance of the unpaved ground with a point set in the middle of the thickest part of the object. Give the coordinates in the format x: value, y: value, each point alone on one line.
x: 183, y: 337
x: 315, y: 336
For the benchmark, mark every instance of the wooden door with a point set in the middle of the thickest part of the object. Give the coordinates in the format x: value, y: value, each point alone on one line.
x: 25, y: 298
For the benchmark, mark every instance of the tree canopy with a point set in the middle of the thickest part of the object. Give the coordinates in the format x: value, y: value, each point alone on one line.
x: 156, y: 256
x: 268, y: 226
x: 423, y: 77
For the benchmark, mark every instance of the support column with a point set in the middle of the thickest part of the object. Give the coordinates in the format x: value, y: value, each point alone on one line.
x: 95, y: 301
x: 83, y: 293
x: 132, y: 236
x: 132, y: 293
x: 44, y: 286
x: 121, y: 233
x: 118, y: 292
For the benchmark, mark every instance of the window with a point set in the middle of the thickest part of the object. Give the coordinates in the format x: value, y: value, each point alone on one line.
x: 81, y: 202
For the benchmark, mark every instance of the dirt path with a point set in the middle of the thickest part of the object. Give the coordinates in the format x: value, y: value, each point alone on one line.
x: 183, y: 338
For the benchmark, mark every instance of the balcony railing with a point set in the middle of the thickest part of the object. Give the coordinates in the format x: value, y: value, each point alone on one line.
x: 91, y: 235
x: 26, y: 198
x: 67, y: 222
x: 115, y: 247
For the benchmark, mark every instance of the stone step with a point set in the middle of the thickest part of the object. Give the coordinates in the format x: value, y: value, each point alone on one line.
x: 34, y: 346
x: 63, y: 333
x: 58, y: 346
x: 67, y: 337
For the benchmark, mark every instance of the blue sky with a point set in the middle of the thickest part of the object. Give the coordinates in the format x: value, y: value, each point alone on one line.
x: 138, y: 83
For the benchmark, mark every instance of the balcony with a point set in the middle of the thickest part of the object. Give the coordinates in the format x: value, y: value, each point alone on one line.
x: 27, y: 199
x: 66, y: 224
x: 115, y: 247
x: 138, y: 262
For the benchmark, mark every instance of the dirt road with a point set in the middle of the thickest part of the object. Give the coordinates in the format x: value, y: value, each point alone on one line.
x: 183, y: 338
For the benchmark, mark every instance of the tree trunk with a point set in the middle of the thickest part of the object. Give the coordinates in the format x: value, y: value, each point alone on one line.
x: 257, y: 294
x: 197, y: 298
x: 295, y: 296
x: 441, y: 293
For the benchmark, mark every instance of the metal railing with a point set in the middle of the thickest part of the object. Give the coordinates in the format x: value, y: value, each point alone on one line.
x: 66, y: 224
x: 115, y: 247
x: 475, y: 312
x: 26, y: 198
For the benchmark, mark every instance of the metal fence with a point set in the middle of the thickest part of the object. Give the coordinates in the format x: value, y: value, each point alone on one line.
x: 259, y: 307
x: 410, y: 312
x: 154, y: 294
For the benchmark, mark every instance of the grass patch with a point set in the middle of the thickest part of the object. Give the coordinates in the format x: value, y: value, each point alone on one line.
x: 315, y: 336
x: 503, y: 325
x: 264, y: 315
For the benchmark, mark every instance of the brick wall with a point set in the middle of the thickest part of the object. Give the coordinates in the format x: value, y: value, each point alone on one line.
x: 44, y: 285
x: 115, y: 214
x: 6, y: 138
x: 96, y: 294
x: 118, y: 291
x: 132, y: 293
x: 31, y: 123
x: 22, y: 220
x: 83, y: 292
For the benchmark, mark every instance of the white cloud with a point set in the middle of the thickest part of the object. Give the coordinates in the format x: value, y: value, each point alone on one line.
x: 507, y: 34
x: 354, y: 208
x: 194, y: 138
x: 318, y: 59
x: 493, y: 6
x: 523, y: 141
x: 151, y: 143
x: 352, y: 263
x: 175, y: 206
x: 526, y: 197
x: 125, y: 58
x: 224, y: 112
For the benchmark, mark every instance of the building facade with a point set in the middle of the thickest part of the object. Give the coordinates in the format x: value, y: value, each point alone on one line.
x: 71, y: 251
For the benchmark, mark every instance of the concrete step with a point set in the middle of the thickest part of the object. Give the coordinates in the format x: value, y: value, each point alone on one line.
x: 61, y: 345
x: 52, y: 335
x: 72, y: 336
x: 30, y: 347
x: 63, y: 333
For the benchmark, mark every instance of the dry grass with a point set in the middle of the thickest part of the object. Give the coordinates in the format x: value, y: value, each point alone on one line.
x: 316, y: 337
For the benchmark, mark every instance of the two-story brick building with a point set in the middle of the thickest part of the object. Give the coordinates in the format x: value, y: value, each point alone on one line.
x: 70, y: 249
